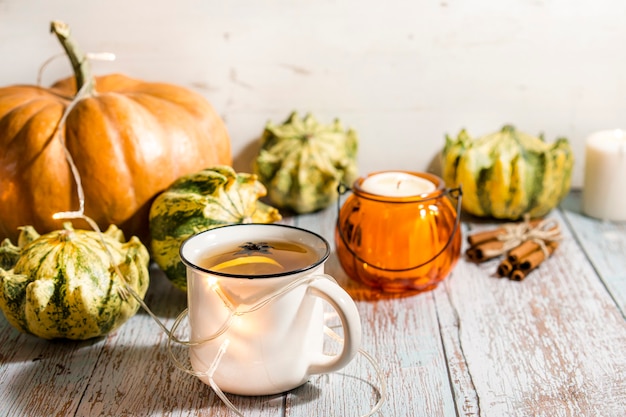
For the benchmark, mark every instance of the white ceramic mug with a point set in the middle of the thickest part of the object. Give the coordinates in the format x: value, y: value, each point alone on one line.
x: 273, y: 325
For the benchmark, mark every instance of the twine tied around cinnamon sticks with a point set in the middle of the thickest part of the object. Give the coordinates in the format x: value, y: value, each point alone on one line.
x: 526, y: 245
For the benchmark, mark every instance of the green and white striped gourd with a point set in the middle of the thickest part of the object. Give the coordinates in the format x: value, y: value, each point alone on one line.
x: 210, y: 198
x: 63, y: 284
x: 301, y: 162
x: 508, y: 174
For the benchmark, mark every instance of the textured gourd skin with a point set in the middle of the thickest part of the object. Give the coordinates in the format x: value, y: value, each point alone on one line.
x: 508, y: 174
x: 210, y: 198
x: 129, y: 139
x: 63, y: 284
x: 301, y: 162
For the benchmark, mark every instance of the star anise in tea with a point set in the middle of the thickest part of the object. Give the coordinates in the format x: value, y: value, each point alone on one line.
x: 254, y: 247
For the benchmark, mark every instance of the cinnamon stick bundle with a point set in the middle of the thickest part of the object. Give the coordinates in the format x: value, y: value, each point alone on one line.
x: 489, y: 244
x: 526, y: 245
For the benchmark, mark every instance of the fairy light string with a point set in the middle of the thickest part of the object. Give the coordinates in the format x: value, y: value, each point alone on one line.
x: 125, y: 289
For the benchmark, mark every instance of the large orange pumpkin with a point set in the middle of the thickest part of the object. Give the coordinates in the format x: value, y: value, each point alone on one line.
x: 129, y: 140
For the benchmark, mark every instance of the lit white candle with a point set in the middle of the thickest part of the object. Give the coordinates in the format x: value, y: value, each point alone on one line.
x: 604, y: 192
x: 397, y: 184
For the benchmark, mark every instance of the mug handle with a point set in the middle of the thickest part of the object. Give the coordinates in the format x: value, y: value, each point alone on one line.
x: 326, y: 288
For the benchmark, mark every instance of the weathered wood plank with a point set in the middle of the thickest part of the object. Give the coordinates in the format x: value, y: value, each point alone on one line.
x: 40, y: 377
x: 551, y: 345
x: 463, y: 387
x: 604, y: 244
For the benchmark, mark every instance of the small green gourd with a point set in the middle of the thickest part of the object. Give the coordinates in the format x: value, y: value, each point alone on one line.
x: 64, y: 284
x: 508, y: 174
x: 301, y: 162
x: 210, y: 198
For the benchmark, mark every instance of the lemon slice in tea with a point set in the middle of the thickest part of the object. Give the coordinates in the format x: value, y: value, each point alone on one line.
x: 241, y: 262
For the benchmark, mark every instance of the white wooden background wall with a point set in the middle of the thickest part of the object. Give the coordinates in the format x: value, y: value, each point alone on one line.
x: 403, y: 73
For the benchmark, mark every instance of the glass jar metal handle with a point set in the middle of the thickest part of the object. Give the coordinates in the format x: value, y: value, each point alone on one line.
x: 455, y: 193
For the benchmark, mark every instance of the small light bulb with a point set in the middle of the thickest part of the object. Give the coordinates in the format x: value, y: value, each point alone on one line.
x: 212, y: 282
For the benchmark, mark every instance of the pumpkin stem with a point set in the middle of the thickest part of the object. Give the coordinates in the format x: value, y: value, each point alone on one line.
x: 78, y: 59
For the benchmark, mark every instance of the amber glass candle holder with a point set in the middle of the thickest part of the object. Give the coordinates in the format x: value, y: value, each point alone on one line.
x: 399, y: 244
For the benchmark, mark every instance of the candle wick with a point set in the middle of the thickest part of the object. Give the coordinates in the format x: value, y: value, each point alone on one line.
x: 398, y: 184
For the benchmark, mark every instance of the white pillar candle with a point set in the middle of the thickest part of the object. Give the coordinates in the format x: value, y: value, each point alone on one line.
x: 604, y: 189
x: 397, y: 184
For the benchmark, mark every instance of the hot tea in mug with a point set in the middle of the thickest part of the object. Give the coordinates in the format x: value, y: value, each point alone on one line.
x: 255, y: 294
x: 259, y: 258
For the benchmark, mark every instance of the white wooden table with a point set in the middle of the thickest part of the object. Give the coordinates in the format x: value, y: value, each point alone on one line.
x: 551, y: 345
